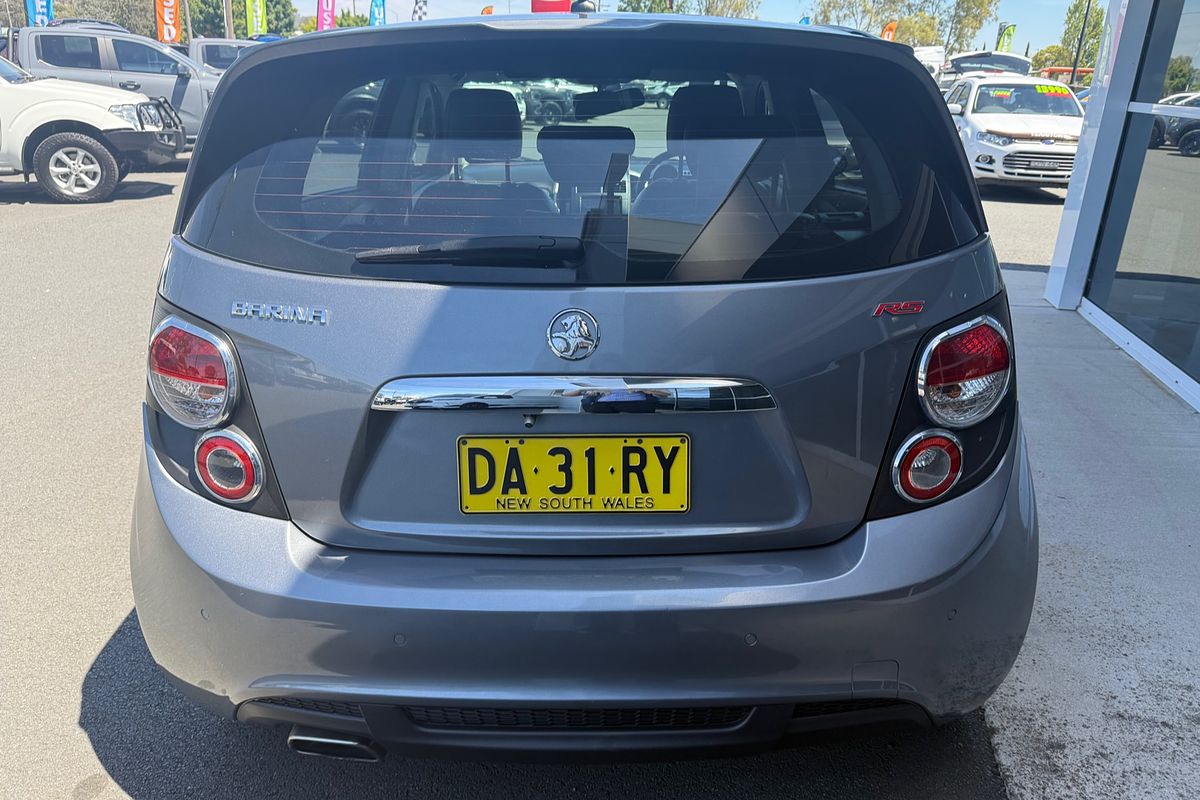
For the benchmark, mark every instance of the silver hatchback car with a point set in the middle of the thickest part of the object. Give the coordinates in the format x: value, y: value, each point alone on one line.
x: 656, y: 429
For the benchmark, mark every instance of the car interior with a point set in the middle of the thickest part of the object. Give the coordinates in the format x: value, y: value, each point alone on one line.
x: 447, y: 160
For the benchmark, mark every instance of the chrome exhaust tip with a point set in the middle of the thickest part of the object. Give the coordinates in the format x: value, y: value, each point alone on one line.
x: 330, y: 744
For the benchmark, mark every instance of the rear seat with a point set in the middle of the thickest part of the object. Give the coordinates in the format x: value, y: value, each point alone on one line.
x: 481, y: 126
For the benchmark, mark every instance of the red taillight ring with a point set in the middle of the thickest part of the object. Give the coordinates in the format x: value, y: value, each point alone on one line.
x: 923, y: 371
x: 913, y: 447
x: 243, y: 451
x: 226, y: 353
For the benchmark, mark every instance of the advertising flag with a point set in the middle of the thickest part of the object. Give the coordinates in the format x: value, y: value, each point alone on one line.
x: 806, y: 20
x: 326, y: 19
x: 256, y: 17
x: 378, y: 13
x: 1004, y: 41
x: 39, y: 12
x: 549, y: 6
x: 166, y: 18
x: 487, y: 11
x: 889, y: 31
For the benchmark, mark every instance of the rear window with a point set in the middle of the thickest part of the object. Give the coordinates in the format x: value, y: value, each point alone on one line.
x: 219, y: 56
x: 671, y: 165
x: 79, y: 52
x: 991, y: 62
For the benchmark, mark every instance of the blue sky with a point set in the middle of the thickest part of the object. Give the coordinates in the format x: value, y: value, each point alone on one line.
x: 1039, y: 22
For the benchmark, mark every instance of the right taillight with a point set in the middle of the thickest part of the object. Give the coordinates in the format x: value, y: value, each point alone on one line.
x: 964, y: 373
x: 191, y: 373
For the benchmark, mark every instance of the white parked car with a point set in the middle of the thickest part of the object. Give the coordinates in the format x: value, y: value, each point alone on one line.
x: 77, y: 138
x: 1017, y: 130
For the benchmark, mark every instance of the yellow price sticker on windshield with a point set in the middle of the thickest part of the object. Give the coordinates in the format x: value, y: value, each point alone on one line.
x: 1043, y: 88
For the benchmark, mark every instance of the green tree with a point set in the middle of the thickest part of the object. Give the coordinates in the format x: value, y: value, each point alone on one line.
x: 961, y: 20
x: 1053, y: 55
x: 955, y: 21
x: 136, y: 17
x: 653, y: 6
x: 345, y: 19
x: 747, y: 9
x: 208, y: 18
x: 868, y: 16
x: 1091, y: 38
x: 281, y: 17
x: 918, y: 30
x: 1181, y: 76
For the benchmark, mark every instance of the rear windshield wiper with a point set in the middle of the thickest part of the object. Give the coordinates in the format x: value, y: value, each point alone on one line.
x: 542, y: 251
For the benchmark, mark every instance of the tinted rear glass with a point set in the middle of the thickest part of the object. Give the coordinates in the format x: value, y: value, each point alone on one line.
x: 220, y: 56
x: 80, y: 52
x: 677, y: 164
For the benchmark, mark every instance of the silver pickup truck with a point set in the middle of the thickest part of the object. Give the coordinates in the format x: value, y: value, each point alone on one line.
x: 105, y: 55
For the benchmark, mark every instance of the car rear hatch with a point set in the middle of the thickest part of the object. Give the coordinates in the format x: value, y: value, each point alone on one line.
x: 463, y: 333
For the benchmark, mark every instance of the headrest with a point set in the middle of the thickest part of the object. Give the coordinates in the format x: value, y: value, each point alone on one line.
x: 697, y: 100
x: 579, y: 155
x: 482, y: 125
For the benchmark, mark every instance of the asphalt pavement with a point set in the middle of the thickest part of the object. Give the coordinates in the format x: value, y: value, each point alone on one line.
x: 84, y: 713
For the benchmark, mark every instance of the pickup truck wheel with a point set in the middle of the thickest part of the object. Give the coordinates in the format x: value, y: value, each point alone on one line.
x: 75, y: 168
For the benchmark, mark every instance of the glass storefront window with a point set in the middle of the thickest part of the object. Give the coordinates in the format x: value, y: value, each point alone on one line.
x: 1152, y: 286
x: 1180, y: 73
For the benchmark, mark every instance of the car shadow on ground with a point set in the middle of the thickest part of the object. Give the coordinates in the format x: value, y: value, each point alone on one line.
x: 154, y: 744
x: 1021, y: 194
x: 18, y: 192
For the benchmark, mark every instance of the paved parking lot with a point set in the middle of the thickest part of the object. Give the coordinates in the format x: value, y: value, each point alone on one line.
x: 84, y: 713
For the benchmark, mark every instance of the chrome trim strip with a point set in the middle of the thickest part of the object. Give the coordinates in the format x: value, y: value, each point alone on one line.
x: 575, y: 394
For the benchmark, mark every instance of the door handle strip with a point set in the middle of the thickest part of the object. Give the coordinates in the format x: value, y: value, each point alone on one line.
x: 575, y: 394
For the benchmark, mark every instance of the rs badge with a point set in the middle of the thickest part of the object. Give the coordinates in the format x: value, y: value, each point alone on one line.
x: 902, y: 307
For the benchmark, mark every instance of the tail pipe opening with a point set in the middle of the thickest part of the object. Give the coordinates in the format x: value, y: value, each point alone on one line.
x: 330, y: 744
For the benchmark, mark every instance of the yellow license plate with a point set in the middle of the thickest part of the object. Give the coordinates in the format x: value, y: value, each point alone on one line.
x: 574, y: 474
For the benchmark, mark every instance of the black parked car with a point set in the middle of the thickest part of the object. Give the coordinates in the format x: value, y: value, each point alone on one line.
x: 546, y: 104
x: 1183, y: 132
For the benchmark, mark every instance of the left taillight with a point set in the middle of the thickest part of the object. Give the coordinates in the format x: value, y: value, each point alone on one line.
x: 964, y: 373
x: 192, y: 374
x: 228, y: 466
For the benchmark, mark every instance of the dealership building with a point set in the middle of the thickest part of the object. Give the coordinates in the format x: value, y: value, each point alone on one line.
x: 1128, y: 251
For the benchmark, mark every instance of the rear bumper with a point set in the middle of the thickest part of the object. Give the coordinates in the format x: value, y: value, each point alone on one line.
x: 917, y: 617
x: 153, y: 148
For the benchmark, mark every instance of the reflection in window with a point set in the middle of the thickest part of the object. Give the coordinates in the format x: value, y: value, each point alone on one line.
x: 1183, y: 68
x: 1155, y: 289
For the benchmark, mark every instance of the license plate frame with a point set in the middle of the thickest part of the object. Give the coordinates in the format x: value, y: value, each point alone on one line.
x: 664, y: 460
